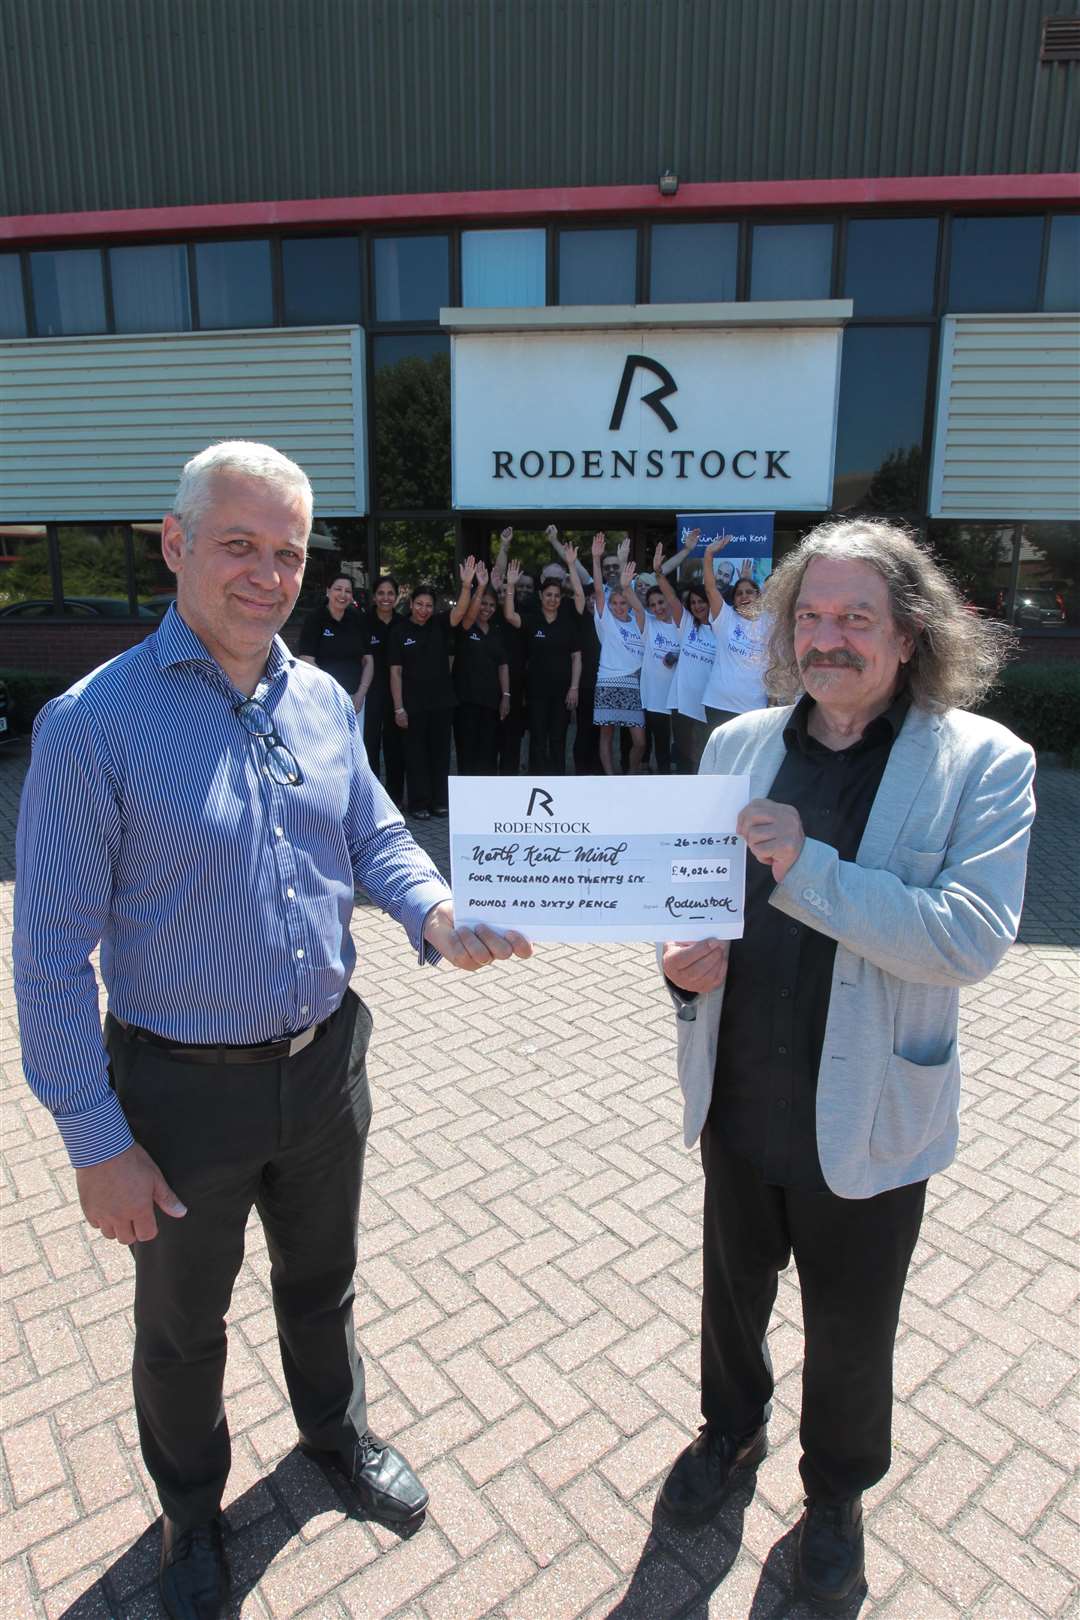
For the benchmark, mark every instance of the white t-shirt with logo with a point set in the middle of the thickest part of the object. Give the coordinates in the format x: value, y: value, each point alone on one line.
x: 661, y: 641
x: 621, y: 646
x: 697, y: 650
x: 737, y: 682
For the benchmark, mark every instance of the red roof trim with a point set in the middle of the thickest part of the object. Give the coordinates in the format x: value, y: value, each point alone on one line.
x: 499, y: 207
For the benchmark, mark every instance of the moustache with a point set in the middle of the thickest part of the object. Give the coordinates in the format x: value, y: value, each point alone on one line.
x: 840, y: 659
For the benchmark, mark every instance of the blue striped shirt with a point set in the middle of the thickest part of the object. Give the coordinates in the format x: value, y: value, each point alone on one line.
x: 221, y: 900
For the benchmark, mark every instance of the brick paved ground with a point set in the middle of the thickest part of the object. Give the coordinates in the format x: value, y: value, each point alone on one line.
x: 529, y: 1314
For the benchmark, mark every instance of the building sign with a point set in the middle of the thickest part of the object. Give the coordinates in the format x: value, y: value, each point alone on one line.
x: 645, y: 418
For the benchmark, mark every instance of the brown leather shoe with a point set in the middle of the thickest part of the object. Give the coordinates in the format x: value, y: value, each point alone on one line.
x: 194, y: 1581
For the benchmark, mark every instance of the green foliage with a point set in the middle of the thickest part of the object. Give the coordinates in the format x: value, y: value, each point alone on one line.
x: 1041, y: 703
x: 29, y: 693
x: 412, y: 434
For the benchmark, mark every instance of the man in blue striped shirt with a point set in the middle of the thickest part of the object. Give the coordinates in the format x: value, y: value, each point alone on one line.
x: 202, y: 806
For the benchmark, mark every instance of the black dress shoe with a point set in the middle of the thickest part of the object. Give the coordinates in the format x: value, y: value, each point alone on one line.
x: 702, y: 1474
x: 831, y: 1560
x: 194, y: 1580
x: 380, y: 1476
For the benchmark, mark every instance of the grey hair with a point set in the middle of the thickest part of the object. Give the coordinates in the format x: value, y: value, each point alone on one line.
x: 194, y: 494
x: 957, y: 655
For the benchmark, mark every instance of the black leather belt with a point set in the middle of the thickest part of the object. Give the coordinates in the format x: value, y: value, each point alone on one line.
x: 266, y: 1052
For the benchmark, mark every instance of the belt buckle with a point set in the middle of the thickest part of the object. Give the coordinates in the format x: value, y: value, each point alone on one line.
x: 304, y: 1039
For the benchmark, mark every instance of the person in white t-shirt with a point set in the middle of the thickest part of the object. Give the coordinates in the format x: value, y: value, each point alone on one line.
x: 619, y: 621
x: 658, y: 668
x: 737, y: 682
x: 697, y: 649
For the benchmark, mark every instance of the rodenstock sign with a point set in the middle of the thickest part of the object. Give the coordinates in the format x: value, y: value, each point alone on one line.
x: 704, y: 418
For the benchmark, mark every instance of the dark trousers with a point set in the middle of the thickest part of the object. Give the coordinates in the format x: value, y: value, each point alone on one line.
x: 380, y: 733
x: 717, y: 717
x: 690, y: 738
x: 549, y: 719
x: 476, y: 739
x: 508, y: 734
x: 586, y: 735
x: 427, y: 758
x: 853, y: 1257
x: 658, y: 727
x: 287, y: 1138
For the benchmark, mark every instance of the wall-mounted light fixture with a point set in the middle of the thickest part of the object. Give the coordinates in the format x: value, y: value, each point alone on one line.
x: 668, y: 183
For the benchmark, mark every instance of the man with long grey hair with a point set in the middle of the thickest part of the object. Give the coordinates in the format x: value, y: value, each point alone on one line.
x: 203, y: 807
x: 887, y: 836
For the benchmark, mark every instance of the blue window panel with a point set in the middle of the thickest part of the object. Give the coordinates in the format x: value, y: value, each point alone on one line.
x: 150, y: 288
x: 891, y: 266
x: 235, y: 286
x: 1063, y: 264
x: 598, y: 267
x: 412, y: 277
x: 321, y: 280
x: 879, y: 432
x: 791, y: 261
x: 693, y: 264
x: 69, y: 292
x: 12, y: 304
x: 994, y: 263
x: 503, y: 269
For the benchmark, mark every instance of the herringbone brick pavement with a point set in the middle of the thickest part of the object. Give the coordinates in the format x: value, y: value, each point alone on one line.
x: 528, y: 1310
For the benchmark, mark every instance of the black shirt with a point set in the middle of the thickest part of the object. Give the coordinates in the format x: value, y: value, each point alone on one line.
x: 776, y: 996
x: 423, y: 651
x: 477, y: 656
x: 337, y: 645
x: 378, y: 645
x: 550, y: 647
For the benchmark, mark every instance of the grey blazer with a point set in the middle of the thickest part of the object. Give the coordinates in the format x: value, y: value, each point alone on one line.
x: 931, y: 902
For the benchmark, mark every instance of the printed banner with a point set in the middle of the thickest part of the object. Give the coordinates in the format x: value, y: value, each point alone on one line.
x: 751, y: 542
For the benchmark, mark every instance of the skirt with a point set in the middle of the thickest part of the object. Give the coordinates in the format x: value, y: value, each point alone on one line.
x: 618, y: 702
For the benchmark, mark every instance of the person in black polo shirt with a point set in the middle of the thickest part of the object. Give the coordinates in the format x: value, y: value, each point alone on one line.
x: 887, y: 838
x: 423, y: 693
x: 553, y: 640
x: 481, y: 682
x: 333, y: 638
x: 380, y: 732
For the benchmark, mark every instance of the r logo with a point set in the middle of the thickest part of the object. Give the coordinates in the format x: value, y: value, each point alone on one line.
x: 653, y: 399
x: 543, y: 798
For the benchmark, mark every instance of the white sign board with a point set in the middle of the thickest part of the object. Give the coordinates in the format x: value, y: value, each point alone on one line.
x: 584, y: 858
x: 645, y: 417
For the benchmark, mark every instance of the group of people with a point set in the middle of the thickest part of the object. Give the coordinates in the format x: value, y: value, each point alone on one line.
x: 621, y: 657
x: 203, y: 808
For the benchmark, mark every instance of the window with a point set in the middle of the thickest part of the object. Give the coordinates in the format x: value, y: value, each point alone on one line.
x: 503, y: 269
x: 235, y: 287
x: 412, y: 277
x: 94, y: 568
x: 321, y: 277
x: 598, y: 267
x: 693, y: 264
x: 879, y: 434
x: 150, y: 288
x: 12, y: 307
x: 25, y: 571
x: 155, y: 584
x: 891, y: 264
x: 69, y: 292
x: 411, y: 402
x: 791, y: 261
x: 995, y: 263
x: 1063, y: 263
x: 421, y: 553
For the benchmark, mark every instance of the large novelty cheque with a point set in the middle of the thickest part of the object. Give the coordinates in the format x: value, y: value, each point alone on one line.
x: 596, y: 858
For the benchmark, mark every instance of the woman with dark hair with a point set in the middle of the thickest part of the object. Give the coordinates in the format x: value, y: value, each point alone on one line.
x: 658, y: 668
x: 423, y: 694
x: 380, y: 732
x: 481, y: 682
x: 333, y: 638
x: 697, y: 650
x: 737, y: 682
x: 552, y: 635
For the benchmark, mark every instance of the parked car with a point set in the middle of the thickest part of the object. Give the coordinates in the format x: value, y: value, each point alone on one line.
x: 7, y: 713
x: 1033, y: 605
x: 77, y: 607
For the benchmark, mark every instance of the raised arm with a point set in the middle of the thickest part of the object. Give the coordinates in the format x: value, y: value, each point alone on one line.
x: 577, y: 576
x: 626, y: 580
x: 680, y: 557
x: 565, y: 553
x: 599, y: 542
x: 498, y: 567
x: 468, y: 574
x: 510, y: 612
x: 712, y: 589
x: 472, y: 612
x: 665, y: 588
